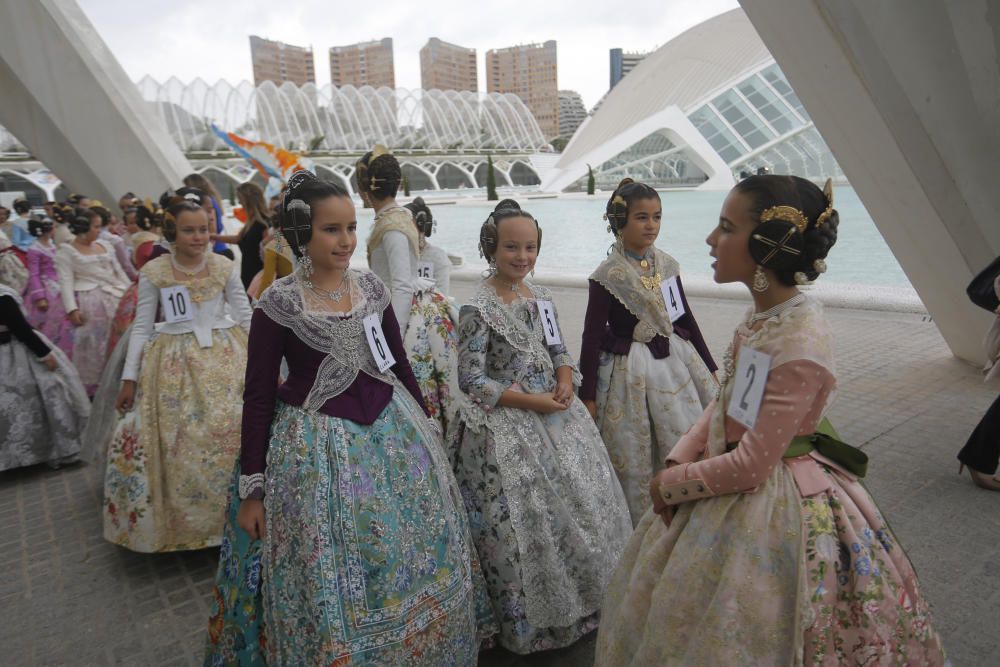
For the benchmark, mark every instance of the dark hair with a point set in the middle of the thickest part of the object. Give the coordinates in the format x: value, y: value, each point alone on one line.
x: 38, y: 227
x: 812, y: 244
x: 296, y: 206
x: 82, y: 218
x: 252, y: 199
x: 196, y: 180
x: 143, y: 217
x: 191, y: 194
x: 379, y: 176
x: 104, y: 214
x: 625, y: 195
x: 21, y: 206
x: 489, y: 233
x: 422, y: 216
x: 173, y: 212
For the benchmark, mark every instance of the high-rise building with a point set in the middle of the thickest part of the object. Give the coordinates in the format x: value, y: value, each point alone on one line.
x: 572, y: 112
x: 622, y: 63
x: 280, y: 62
x: 530, y: 72
x: 445, y: 66
x: 363, y: 64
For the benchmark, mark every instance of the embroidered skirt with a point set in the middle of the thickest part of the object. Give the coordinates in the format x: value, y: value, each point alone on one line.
x: 644, y: 406
x: 90, y: 344
x: 41, y: 412
x: 548, y: 517
x: 124, y: 315
x: 52, y: 321
x: 768, y: 578
x: 170, y: 456
x: 367, y: 558
x: 431, y: 343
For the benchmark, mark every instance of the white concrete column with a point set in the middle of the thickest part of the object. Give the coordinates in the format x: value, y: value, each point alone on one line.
x: 907, y: 95
x: 67, y: 98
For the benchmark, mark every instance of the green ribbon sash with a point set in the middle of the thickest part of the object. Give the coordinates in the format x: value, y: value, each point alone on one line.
x: 825, y: 441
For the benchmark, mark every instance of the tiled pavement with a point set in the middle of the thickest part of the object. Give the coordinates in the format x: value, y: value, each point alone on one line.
x: 69, y: 598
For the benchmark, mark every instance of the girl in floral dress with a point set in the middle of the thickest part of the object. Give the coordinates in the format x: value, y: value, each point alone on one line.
x: 546, y: 508
x: 426, y: 317
x: 91, y: 282
x: 762, y: 547
x: 350, y: 545
x: 646, y: 367
x: 43, y: 302
x: 141, y: 240
x: 172, y: 449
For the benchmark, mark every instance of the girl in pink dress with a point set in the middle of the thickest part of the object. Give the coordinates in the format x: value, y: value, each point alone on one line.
x: 762, y: 546
x: 43, y: 303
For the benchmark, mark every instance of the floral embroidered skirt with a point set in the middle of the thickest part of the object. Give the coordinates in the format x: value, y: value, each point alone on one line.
x: 170, y: 457
x: 367, y: 558
x: 52, y: 321
x: 768, y: 578
x: 90, y: 343
x: 644, y: 406
x: 41, y: 412
x: 431, y: 343
x: 549, y: 520
x: 124, y: 315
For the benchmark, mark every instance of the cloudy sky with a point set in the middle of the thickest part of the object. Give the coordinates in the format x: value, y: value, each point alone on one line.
x: 209, y: 38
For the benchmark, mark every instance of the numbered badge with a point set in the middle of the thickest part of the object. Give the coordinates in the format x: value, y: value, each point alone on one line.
x: 376, y: 342
x: 425, y: 270
x: 750, y: 377
x: 548, y: 315
x: 176, y: 304
x: 672, y: 298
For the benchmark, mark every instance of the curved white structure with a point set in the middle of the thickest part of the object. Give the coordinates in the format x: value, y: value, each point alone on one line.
x: 705, y: 107
x: 342, y: 119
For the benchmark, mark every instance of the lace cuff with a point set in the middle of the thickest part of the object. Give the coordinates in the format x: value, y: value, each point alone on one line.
x: 252, y: 486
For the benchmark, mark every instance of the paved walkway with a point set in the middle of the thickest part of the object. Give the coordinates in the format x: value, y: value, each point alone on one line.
x: 69, y: 598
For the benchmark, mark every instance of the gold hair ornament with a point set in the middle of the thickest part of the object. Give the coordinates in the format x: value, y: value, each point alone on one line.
x: 828, y: 193
x: 788, y: 214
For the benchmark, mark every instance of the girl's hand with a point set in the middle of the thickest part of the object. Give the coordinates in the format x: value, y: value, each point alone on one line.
x: 42, y: 304
x: 563, y: 392
x: 50, y: 362
x: 126, y: 397
x: 76, y: 318
x: 591, y: 408
x: 546, y: 403
x: 251, y: 518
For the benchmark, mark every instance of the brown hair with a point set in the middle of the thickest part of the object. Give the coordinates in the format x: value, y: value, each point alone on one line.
x: 252, y: 198
x: 196, y: 180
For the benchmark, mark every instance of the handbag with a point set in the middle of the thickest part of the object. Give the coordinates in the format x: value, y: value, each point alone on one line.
x: 982, y: 291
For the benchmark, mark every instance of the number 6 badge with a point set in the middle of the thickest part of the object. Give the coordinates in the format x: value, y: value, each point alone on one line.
x: 751, y: 372
x: 377, y: 343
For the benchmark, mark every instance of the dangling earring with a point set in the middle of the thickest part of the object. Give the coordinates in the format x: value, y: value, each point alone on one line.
x: 492, y: 270
x: 305, y: 261
x: 760, y: 281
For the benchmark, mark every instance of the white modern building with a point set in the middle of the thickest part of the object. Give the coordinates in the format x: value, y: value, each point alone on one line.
x: 701, y: 110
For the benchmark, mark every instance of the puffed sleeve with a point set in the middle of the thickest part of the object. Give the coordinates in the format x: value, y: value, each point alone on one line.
x: 472, y: 352
x: 270, y: 271
x: 794, y: 397
x: 400, y: 283
x: 64, y: 267
x: 142, y: 327
x: 595, y: 323
x: 237, y: 299
x: 265, y: 348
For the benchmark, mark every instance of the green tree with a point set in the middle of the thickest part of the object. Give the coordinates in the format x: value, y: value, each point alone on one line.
x: 590, y: 180
x: 491, y: 180
x: 406, y: 185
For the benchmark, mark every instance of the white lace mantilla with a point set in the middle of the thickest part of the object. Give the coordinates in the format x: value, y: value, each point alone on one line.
x: 341, y: 339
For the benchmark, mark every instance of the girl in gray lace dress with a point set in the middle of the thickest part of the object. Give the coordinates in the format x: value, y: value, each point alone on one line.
x: 546, y: 509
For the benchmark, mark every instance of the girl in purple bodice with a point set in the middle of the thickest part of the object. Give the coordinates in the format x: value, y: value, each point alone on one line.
x: 43, y: 304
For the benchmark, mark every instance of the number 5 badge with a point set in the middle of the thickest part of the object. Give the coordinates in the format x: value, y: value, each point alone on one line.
x: 548, y: 314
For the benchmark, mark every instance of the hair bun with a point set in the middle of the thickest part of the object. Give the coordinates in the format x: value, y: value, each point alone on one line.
x: 507, y: 204
x: 625, y: 181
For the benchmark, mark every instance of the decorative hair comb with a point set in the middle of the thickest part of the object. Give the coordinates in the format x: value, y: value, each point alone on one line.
x: 788, y: 214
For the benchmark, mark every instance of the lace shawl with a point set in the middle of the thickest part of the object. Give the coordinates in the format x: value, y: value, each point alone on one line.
x: 395, y: 219
x: 160, y: 272
x: 341, y: 339
x: 500, y: 317
x: 621, y: 279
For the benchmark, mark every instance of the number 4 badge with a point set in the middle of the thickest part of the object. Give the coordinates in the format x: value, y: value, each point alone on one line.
x: 750, y: 377
x: 672, y: 298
